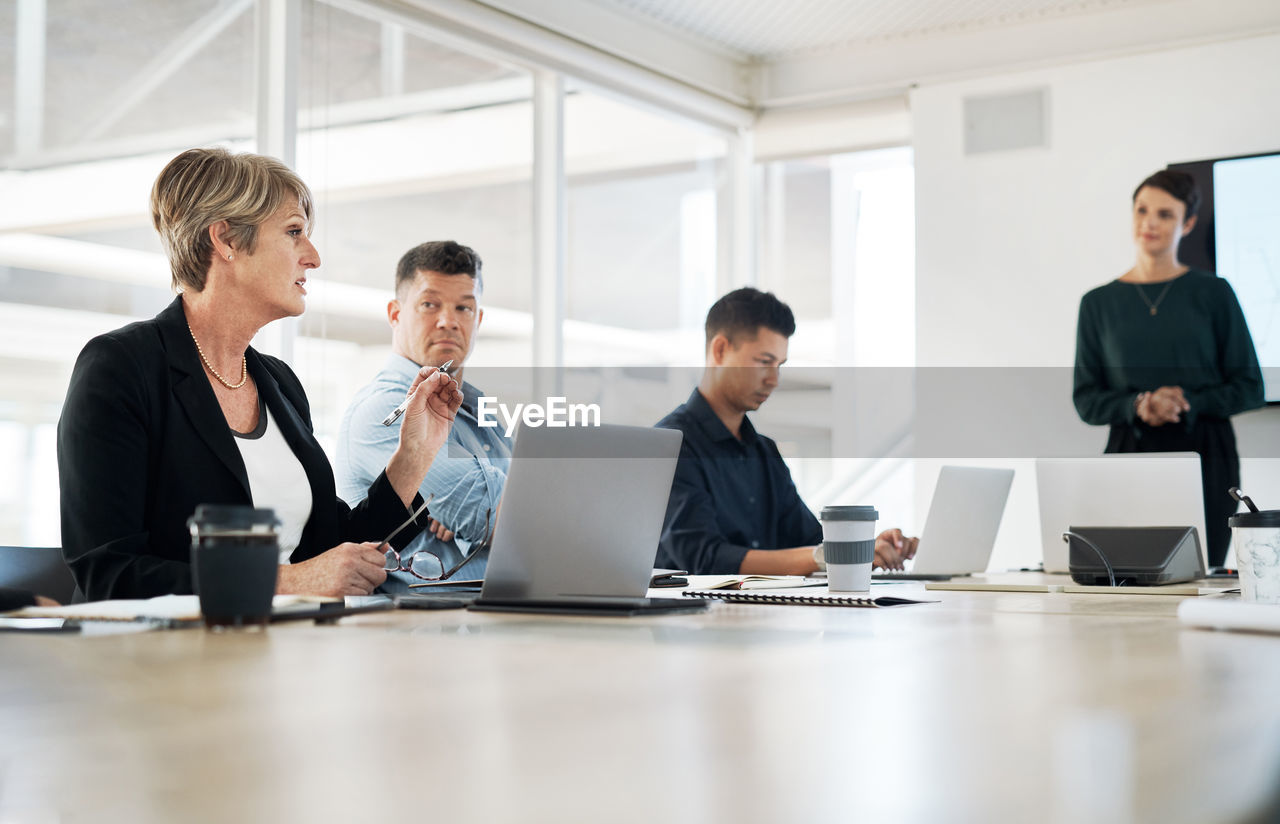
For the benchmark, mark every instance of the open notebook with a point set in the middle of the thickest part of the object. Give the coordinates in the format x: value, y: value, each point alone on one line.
x: 816, y: 599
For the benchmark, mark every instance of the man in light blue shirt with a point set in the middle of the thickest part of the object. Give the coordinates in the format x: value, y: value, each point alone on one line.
x: 434, y: 318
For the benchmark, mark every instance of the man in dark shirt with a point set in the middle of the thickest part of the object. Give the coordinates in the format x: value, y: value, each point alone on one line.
x: 733, y: 507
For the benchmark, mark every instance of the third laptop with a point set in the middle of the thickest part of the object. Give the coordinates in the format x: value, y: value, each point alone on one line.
x: 960, y: 532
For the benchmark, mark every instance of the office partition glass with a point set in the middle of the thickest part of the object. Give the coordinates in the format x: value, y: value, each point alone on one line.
x: 643, y: 231
x: 132, y: 74
x: 837, y: 243
x: 404, y: 140
x: 642, y: 210
x: 94, y: 99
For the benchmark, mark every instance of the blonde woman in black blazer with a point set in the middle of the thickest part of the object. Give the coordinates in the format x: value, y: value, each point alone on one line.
x: 149, y: 427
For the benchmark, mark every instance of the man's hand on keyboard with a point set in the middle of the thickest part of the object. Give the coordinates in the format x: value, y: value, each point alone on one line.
x: 892, y: 548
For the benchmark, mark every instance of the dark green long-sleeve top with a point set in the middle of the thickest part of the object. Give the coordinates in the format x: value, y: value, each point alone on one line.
x: 1197, y: 339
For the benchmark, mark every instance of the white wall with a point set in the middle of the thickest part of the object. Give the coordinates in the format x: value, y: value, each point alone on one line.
x: 1007, y: 242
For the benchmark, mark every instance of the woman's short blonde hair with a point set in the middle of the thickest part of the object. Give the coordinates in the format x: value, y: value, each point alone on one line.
x: 203, y: 186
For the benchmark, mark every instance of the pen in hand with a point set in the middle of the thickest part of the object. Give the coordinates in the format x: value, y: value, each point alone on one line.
x: 399, y: 410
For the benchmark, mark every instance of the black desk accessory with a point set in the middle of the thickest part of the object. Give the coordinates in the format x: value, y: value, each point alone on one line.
x: 1134, y: 555
x: 1242, y: 498
x: 434, y: 600
x: 327, y: 612
x: 669, y: 578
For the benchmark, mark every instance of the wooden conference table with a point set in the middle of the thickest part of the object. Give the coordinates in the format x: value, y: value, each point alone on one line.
x: 984, y: 707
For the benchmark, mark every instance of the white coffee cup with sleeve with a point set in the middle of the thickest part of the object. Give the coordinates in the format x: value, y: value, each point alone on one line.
x: 849, y: 546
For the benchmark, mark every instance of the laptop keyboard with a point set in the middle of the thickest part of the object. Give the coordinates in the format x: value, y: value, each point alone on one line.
x: 905, y: 575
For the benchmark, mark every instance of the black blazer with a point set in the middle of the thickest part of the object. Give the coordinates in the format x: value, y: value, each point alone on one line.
x: 142, y: 441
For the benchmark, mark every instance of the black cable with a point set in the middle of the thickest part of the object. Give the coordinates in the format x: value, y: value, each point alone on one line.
x: 1111, y: 576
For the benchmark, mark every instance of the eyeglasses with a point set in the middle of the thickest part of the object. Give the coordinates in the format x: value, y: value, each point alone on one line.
x: 427, y: 566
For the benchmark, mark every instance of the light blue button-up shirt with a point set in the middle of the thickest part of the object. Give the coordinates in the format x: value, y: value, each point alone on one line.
x: 466, y: 477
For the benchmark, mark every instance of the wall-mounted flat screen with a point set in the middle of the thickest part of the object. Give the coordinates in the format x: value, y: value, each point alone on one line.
x: 1238, y: 237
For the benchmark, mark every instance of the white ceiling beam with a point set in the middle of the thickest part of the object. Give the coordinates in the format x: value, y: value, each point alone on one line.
x: 434, y: 101
x: 111, y: 264
x: 160, y: 68
x: 721, y: 72
x: 41, y: 253
x: 418, y: 154
x: 782, y: 134
x: 475, y: 28
x: 890, y: 67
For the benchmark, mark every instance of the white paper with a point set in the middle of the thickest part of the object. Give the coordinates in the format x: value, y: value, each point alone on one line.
x: 1223, y: 613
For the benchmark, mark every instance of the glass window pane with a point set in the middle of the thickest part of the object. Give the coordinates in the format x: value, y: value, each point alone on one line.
x: 838, y: 245
x: 181, y: 69
x: 642, y: 229
x: 78, y: 255
x: 438, y: 148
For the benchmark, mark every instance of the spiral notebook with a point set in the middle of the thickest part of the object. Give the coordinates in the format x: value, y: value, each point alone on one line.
x: 738, y: 597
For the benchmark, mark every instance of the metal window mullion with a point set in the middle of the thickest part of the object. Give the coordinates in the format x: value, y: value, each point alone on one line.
x: 392, y: 60
x: 279, y: 37
x: 29, y: 76
x: 737, y: 207
x: 549, y: 232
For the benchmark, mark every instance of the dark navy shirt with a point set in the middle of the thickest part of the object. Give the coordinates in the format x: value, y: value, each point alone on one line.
x: 729, y: 496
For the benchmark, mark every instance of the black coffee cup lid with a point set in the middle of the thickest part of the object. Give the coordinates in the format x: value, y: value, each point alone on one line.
x: 220, y: 517
x: 849, y: 513
x: 1267, y: 518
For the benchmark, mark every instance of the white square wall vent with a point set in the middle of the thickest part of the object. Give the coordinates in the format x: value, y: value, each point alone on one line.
x: 1000, y: 122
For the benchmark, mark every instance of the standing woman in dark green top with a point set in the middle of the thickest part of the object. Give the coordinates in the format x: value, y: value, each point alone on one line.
x: 1163, y: 354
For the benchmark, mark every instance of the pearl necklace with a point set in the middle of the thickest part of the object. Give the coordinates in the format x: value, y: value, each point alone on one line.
x: 244, y: 365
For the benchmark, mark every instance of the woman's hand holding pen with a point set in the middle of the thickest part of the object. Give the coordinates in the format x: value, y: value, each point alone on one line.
x: 434, y: 398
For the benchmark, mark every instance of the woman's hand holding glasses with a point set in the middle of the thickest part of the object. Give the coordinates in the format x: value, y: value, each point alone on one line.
x: 425, y: 565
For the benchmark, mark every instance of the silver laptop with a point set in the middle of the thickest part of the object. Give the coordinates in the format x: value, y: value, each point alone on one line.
x: 1144, y: 489
x: 960, y: 531
x: 579, y: 523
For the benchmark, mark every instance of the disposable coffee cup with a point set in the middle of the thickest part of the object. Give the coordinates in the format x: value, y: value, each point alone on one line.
x: 849, y: 546
x: 1256, y: 538
x: 235, y: 556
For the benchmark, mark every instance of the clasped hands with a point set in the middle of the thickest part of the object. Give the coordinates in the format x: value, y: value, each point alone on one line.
x: 1161, y: 406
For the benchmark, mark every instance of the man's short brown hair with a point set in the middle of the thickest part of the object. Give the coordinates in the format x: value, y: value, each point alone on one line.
x: 444, y: 256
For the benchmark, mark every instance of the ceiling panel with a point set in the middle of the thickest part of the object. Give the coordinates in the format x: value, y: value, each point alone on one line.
x: 766, y: 29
